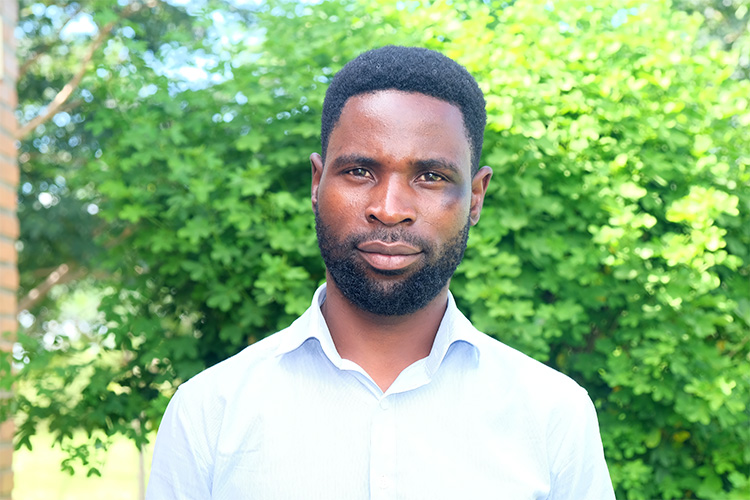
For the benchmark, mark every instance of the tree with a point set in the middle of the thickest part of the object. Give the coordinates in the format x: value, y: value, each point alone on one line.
x: 72, y: 53
x: 614, y: 242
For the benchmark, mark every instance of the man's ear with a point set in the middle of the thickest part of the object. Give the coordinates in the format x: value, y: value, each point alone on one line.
x: 478, y: 189
x: 316, y: 163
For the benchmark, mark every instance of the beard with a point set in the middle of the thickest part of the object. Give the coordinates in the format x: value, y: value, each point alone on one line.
x: 389, y: 296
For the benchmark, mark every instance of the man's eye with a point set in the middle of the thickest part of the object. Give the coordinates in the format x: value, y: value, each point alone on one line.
x: 359, y: 172
x: 432, y: 177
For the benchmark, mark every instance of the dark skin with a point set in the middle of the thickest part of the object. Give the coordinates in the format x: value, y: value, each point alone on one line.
x: 394, y: 160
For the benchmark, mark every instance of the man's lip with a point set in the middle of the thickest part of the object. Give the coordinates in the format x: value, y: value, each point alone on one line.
x: 381, y: 247
x: 389, y: 256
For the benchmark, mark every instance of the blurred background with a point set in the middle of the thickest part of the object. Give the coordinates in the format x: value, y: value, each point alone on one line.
x: 165, y: 219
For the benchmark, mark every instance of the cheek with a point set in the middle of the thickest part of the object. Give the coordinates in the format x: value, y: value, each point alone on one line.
x: 456, y: 203
x: 336, y: 205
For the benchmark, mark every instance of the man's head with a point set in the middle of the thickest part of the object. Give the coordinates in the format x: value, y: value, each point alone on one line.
x: 397, y: 191
x: 408, y: 69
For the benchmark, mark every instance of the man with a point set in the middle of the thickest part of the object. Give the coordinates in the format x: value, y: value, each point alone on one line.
x: 383, y: 389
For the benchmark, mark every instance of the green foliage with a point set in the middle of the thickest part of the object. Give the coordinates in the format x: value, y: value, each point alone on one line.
x: 58, y: 205
x: 614, y: 243
x: 55, y: 195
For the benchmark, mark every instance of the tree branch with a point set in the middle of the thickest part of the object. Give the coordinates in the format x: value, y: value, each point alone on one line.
x: 31, y: 60
x: 64, y: 94
x: 64, y: 273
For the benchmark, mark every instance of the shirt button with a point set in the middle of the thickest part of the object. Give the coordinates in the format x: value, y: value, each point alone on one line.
x: 384, y: 404
x: 384, y: 482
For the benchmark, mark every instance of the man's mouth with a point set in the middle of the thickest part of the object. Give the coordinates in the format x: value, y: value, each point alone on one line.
x: 388, y: 256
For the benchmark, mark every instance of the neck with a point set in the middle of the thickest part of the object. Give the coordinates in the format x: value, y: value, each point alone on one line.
x: 382, y: 345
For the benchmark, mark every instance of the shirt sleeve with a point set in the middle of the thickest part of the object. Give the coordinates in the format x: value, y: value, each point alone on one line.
x: 579, y: 469
x: 180, y: 468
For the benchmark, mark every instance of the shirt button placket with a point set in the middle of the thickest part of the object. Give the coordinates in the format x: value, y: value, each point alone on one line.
x: 383, y: 452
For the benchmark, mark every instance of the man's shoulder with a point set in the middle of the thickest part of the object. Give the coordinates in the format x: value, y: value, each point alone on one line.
x: 231, y: 374
x: 501, y: 364
x: 508, y: 365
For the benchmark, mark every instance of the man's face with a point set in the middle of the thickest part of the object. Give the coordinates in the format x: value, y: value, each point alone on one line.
x: 395, y: 199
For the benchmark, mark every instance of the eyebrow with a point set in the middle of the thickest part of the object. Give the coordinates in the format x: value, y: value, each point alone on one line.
x: 354, y: 159
x: 437, y: 164
x: 366, y: 161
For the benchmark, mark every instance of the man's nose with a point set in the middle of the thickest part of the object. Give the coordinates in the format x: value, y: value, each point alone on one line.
x: 391, y: 202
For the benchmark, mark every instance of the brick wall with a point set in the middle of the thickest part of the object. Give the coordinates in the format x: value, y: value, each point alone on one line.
x: 8, y: 220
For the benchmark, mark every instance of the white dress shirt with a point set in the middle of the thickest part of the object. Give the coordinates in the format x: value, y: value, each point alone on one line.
x: 288, y: 418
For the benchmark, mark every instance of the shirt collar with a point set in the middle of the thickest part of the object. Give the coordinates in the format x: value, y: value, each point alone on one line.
x: 454, y: 328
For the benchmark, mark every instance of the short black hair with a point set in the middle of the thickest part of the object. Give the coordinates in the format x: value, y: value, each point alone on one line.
x: 408, y: 69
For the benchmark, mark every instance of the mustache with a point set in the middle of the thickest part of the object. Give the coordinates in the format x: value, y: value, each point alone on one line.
x: 389, y: 236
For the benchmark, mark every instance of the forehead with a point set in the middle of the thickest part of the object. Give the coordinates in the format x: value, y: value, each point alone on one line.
x: 397, y: 123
